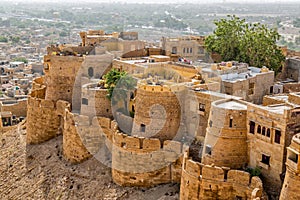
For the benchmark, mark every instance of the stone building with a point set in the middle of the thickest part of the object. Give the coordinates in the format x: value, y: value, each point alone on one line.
x: 122, y: 42
x: 293, y: 68
x: 270, y: 131
x: 189, y: 47
x: 238, y: 79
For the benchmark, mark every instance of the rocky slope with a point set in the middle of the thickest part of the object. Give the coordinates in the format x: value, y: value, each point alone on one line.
x: 40, y: 172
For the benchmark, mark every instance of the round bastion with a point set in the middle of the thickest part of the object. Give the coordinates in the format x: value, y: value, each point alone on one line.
x: 158, y: 111
x: 225, y: 143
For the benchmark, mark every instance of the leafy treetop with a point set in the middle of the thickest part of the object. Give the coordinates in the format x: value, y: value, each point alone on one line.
x: 235, y: 39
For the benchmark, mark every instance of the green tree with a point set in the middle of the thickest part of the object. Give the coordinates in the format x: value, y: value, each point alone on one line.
x: 120, y: 86
x: 111, y: 79
x: 3, y: 39
x: 15, y: 39
x: 235, y: 39
x: 24, y: 60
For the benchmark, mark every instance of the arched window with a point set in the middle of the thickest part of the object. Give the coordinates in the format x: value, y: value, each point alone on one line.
x: 268, y: 133
x: 91, y: 72
x: 263, y: 131
x: 259, y: 129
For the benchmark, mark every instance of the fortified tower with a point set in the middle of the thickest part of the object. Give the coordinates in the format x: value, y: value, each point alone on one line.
x: 290, y: 188
x: 225, y: 143
x: 158, y: 111
x: 94, y: 101
x: 60, y: 74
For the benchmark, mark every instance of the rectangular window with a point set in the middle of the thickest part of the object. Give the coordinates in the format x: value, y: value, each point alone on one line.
x: 265, y: 159
x: 191, y: 50
x: 143, y: 128
x: 293, y: 157
x: 84, y: 101
x: 252, y: 127
x: 271, y: 90
x: 277, y: 136
x: 201, y: 107
x: 208, y: 149
x: 174, y: 50
x: 200, y: 50
x: 230, y: 123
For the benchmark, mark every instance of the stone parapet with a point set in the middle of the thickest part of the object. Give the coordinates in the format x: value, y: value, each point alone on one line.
x: 201, y: 181
x: 145, y: 162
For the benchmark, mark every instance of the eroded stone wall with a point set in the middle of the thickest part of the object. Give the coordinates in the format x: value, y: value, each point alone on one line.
x: 19, y: 109
x: 145, y: 162
x: 60, y: 74
x: 43, y: 121
x: 84, y: 137
x: 201, y: 181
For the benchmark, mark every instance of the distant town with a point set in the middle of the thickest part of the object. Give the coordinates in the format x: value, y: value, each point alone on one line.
x: 127, y: 101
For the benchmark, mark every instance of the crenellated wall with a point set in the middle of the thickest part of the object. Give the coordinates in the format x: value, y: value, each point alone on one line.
x: 43, y: 121
x: 83, y: 137
x: 145, y: 162
x: 201, y: 181
x: 226, y: 138
x: 158, y: 111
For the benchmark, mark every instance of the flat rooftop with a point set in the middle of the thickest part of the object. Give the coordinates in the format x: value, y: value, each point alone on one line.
x: 234, y: 77
x: 279, y: 109
x: 218, y: 94
x: 234, y: 105
x: 280, y: 97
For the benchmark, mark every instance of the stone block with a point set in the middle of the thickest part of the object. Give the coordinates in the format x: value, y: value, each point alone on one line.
x: 151, y: 144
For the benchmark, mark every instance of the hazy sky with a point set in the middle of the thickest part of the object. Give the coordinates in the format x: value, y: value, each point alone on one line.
x: 164, y: 1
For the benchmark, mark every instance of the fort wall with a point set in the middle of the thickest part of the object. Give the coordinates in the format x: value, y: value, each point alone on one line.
x: 145, y: 162
x: 19, y: 108
x: 43, y: 121
x: 201, y: 181
x: 60, y: 74
x: 84, y: 137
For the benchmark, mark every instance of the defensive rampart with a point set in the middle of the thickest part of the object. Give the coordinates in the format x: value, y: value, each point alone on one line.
x: 145, y: 162
x: 208, y: 182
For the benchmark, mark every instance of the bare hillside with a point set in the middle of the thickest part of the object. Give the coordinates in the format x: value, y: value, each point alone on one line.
x: 40, y: 172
